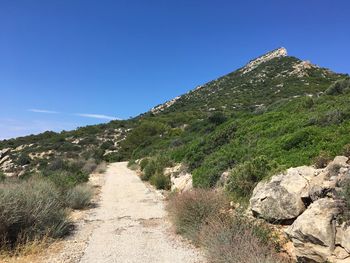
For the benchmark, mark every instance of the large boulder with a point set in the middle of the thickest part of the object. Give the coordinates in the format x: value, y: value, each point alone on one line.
x: 283, y: 197
x: 314, y: 232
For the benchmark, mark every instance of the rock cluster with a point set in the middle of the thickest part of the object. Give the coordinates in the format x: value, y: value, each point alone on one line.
x: 181, y: 181
x: 6, y: 164
x: 309, y: 201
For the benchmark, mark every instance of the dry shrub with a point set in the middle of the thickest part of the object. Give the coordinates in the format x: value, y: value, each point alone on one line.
x: 89, y: 166
x: 190, y: 210
x: 79, y: 197
x: 322, y: 160
x: 233, y: 239
x: 101, y: 168
x: 30, y: 210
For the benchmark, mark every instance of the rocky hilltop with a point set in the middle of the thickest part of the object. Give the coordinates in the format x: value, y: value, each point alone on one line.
x: 280, y: 52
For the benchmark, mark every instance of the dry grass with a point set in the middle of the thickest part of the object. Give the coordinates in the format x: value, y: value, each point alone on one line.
x: 27, y: 252
x: 30, y: 210
x: 190, y: 210
x: 80, y: 196
x: 231, y: 239
x: 203, y: 216
x: 101, y: 168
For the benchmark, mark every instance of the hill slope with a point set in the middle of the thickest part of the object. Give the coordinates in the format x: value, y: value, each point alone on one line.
x: 277, y: 110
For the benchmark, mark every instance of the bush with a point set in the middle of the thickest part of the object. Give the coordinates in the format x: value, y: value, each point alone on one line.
x: 190, y: 210
x: 160, y: 181
x: 79, y: 197
x: 30, y: 210
x: 233, y: 239
x: 24, y: 159
x: 245, y: 176
x: 107, y: 145
x: 101, y: 168
x: 339, y: 87
x: 217, y: 118
x: 89, y: 166
x: 113, y: 157
x: 144, y: 163
x: 2, y: 176
x: 65, y: 179
x: 322, y: 160
x: 149, y: 170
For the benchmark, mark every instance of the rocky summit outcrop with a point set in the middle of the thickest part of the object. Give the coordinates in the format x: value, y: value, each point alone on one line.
x: 310, y: 201
x: 279, y: 52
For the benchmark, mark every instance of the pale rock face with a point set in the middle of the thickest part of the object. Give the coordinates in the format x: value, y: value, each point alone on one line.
x: 313, y: 232
x: 343, y: 237
x: 4, y: 152
x: 181, y: 181
x: 310, y: 197
x: 301, y: 69
x: 280, y: 52
x: 280, y: 198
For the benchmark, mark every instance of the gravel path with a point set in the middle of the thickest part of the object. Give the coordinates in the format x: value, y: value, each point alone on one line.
x: 129, y: 225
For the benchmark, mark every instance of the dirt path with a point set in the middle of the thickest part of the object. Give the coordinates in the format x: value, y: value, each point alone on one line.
x: 128, y: 226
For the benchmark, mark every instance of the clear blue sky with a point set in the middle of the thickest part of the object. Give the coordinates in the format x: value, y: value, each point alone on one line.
x: 61, y: 58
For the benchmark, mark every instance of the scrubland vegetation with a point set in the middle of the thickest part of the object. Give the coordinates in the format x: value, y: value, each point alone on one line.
x: 37, y: 206
x: 292, y: 132
x: 252, y: 125
x: 203, y: 216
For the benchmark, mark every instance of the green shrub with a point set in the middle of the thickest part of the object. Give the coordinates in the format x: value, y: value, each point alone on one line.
x: 244, y: 177
x: 144, y: 163
x: 2, y: 176
x: 233, y: 239
x: 132, y: 165
x: 107, y: 145
x: 160, y: 181
x: 113, y: 157
x: 65, y: 179
x: 30, y: 210
x: 339, y: 87
x: 217, y: 118
x: 149, y: 170
x: 79, y: 197
x: 23, y: 159
x: 298, y: 139
x: 190, y: 210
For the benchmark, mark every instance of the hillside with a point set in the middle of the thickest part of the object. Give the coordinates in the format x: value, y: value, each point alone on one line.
x: 252, y: 110
x: 241, y: 133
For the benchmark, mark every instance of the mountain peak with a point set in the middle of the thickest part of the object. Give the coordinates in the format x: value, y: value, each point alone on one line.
x: 279, y: 52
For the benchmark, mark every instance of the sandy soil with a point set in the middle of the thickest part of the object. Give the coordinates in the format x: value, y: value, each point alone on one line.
x: 128, y: 225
